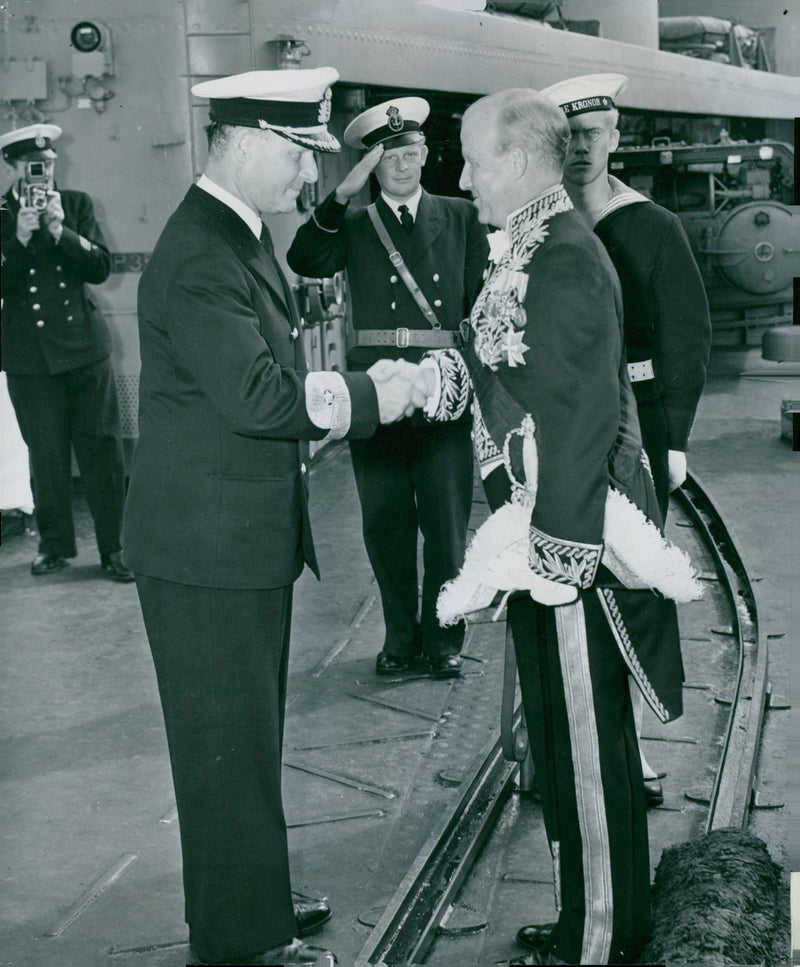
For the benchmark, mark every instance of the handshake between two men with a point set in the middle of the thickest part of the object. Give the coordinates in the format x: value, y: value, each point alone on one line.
x: 402, y: 387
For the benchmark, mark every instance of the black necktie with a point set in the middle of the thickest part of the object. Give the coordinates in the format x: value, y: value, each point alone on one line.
x: 406, y: 219
x: 266, y: 241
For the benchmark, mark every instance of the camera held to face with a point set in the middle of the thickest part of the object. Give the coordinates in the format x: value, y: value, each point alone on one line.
x: 37, y: 185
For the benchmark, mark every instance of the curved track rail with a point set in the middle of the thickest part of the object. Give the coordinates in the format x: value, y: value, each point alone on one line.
x: 409, y: 923
x: 732, y: 794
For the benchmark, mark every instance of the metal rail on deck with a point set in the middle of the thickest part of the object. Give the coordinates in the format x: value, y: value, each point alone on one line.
x: 409, y: 923
x: 732, y: 794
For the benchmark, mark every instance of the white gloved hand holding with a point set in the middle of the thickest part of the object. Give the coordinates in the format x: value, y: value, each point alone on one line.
x: 677, y: 468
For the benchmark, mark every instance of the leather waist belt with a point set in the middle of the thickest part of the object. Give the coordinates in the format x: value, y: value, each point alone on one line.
x: 403, y: 338
x: 640, y: 371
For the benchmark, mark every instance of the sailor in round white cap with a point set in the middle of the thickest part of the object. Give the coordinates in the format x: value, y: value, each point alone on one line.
x: 392, y: 124
x: 33, y: 142
x: 296, y: 104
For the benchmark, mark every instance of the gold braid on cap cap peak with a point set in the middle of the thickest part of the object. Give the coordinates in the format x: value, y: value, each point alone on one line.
x: 300, y: 121
x: 324, y: 141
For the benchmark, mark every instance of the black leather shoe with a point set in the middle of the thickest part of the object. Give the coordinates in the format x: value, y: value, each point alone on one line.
x: 310, y: 915
x: 653, y: 793
x: 296, y: 954
x: 447, y: 667
x: 534, y: 935
x: 114, y: 567
x: 47, y: 563
x: 386, y: 664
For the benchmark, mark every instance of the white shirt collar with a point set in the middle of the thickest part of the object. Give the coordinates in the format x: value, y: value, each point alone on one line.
x: 412, y: 203
x: 245, y: 212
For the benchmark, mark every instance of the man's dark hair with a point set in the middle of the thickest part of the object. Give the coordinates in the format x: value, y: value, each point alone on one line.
x: 218, y: 136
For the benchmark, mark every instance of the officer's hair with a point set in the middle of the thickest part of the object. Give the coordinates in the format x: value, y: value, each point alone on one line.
x: 525, y: 119
x: 218, y: 137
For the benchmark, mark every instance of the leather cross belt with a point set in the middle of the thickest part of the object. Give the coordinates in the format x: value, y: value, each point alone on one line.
x: 402, y: 338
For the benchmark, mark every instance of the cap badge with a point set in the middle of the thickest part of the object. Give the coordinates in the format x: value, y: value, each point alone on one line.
x: 325, y: 107
x: 395, y: 122
x: 40, y: 141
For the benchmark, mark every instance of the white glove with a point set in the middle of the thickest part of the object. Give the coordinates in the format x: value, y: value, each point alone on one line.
x: 677, y: 468
x: 510, y: 571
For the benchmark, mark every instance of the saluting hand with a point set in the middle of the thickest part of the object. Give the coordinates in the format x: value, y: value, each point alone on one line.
x: 357, y: 178
x: 27, y: 223
x: 53, y: 215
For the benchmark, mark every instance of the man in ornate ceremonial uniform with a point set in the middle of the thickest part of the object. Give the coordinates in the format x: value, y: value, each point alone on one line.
x: 667, y: 331
x: 56, y: 350
x: 411, y: 477
x: 574, y: 527
x: 216, y: 522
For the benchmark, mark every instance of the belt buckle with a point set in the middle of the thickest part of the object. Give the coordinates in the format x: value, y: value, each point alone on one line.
x: 401, y: 338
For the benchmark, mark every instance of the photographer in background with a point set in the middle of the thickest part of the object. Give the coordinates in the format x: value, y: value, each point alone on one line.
x: 56, y: 351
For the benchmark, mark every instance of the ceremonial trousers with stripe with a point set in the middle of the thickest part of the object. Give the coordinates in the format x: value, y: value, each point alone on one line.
x: 574, y: 686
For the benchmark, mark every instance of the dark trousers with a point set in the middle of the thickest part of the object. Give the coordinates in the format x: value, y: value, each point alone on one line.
x: 221, y: 659
x: 78, y: 408
x: 653, y: 424
x: 415, y: 478
x: 580, y: 723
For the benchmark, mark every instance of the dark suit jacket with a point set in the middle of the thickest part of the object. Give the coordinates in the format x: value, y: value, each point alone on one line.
x: 218, y: 493
x: 44, y: 282
x: 446, y: 254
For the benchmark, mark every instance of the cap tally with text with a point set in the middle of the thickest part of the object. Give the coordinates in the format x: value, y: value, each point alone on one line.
x: 296, y: 104
x: 392, y: 123
x: 589, y: 92
x: 34, y: 141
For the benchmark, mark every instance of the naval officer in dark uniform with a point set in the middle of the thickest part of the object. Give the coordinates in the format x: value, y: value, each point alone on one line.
x: 216, y: 522
x: 411, y: 478
x: 56, y: 351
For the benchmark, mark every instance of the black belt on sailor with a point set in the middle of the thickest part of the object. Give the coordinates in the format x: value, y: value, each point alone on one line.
x: 403, y: 338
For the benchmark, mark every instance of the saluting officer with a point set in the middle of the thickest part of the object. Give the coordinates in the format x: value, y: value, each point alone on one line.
x: 410, y: 476
x: 56, y: 351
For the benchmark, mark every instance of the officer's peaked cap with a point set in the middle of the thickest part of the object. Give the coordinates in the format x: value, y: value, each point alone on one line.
x: 296, y: 104
x: 34, y: 142
x: 392, y: 123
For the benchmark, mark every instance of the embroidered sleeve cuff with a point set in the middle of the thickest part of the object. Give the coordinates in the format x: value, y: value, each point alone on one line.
x: 566, y: 562
x: 328, y: 403
x: 453, y: 385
